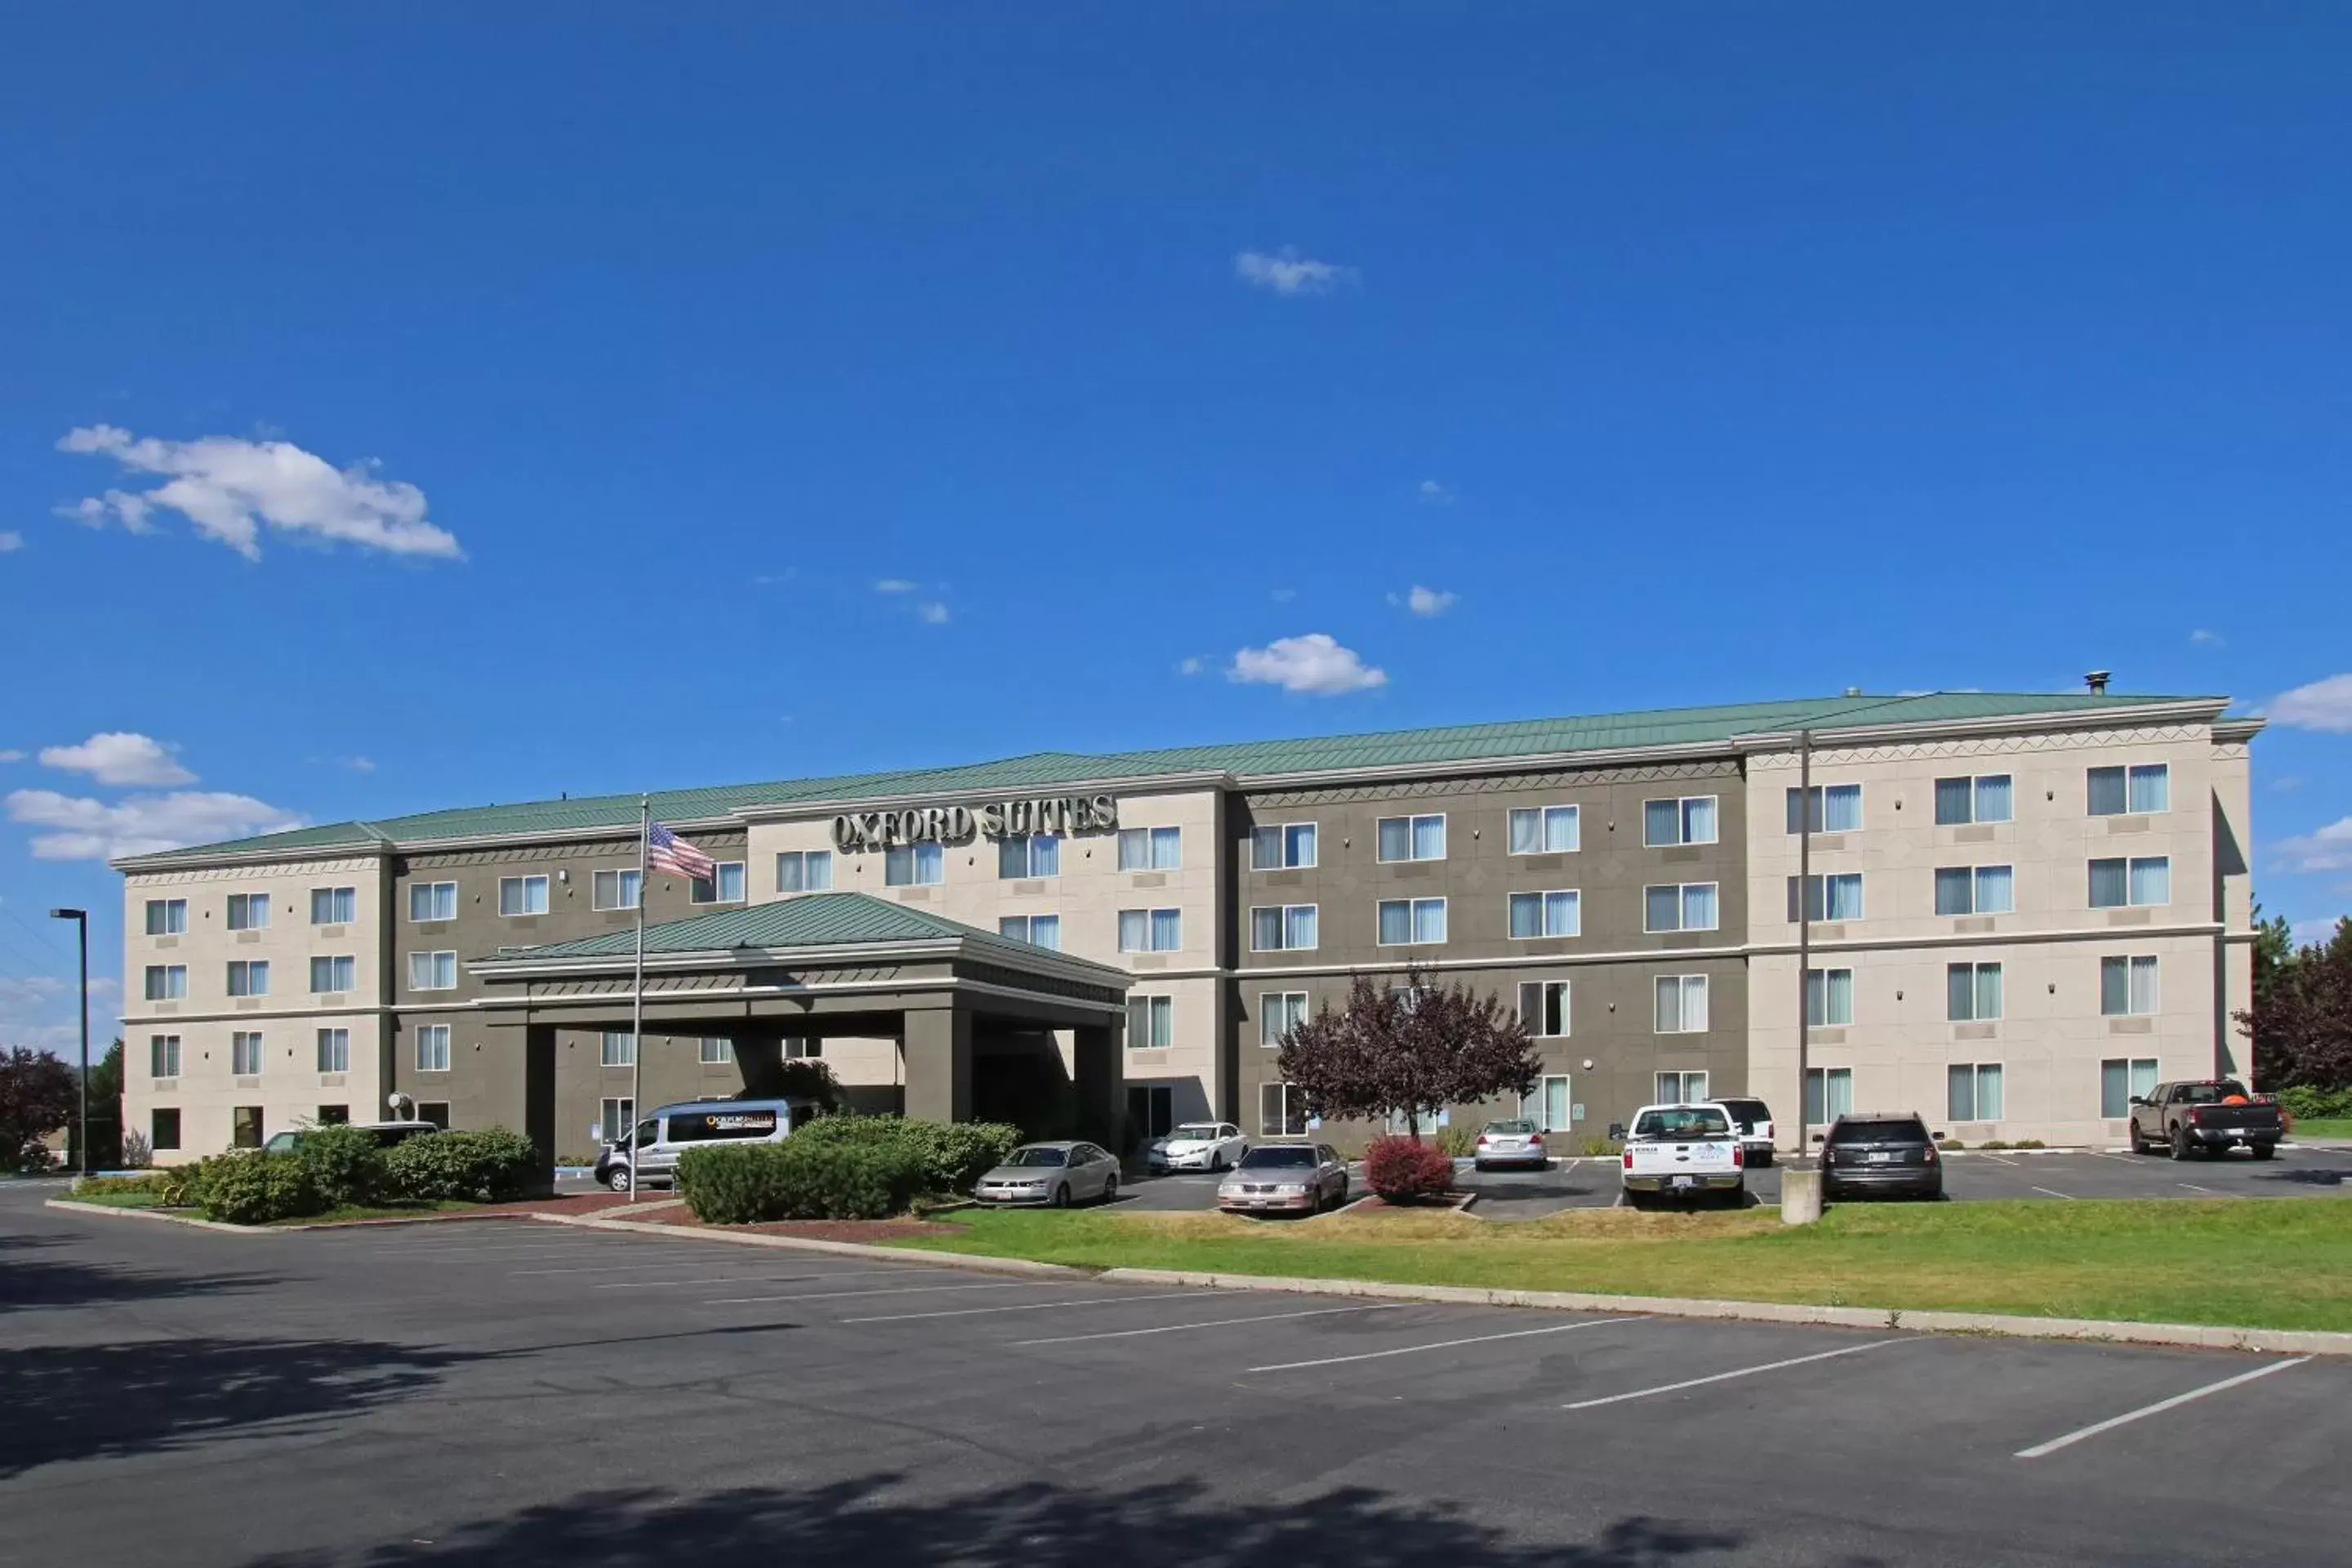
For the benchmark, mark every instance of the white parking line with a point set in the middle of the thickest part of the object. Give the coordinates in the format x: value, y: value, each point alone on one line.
x: 1743, y: 1372
x: 2195, y: 1188
x: 496, y: 1251
x: 651, y: 1262
x: 684, y: 1281
x: 2049, y: 1192
x: 1442, y: 1345
x: 1214, y: 1323
x: 2158, y: 1408
x: 894, y: 1291
x: 1026, y: 1307
x: 1995, y: 1159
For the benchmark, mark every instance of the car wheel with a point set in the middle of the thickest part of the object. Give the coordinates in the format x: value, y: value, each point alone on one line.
x: 1218, y: 1163
x: 2264, y: 1150
x: 1062, y: 1196
x: 1110, y: 1189
x: 2181, y: 1142
x: 617, y: 1178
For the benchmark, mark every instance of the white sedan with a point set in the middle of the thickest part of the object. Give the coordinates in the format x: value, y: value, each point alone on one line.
x: 1198, y: 1146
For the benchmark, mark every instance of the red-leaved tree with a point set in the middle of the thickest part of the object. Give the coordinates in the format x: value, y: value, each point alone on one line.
x: 1412, y: 1048
x: 2302, y: 1018
x: 38, y: 1095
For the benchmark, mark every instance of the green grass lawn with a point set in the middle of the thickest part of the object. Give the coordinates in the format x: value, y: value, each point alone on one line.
x: 2285, y: 1264
x: 2322, y: 1127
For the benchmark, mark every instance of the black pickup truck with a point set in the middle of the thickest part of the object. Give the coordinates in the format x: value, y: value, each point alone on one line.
x: 2209, y: 1117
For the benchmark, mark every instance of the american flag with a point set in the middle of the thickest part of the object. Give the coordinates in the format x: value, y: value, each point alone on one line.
x: 665, y: 851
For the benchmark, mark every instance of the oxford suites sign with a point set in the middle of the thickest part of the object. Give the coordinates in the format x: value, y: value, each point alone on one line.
x: 958, y: 823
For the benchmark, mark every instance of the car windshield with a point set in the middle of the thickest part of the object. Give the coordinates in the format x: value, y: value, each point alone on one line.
x: 1192, y: 1130
x: 1747, y: 1109
x: 1037, y: 1157
x: 1682, y: 1121
x: 1511, y: 1128
x: 1887, y: 1129
x: 1287, y: 1157
x: 2213, y: 1093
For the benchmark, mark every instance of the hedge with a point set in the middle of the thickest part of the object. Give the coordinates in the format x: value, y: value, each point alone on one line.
x: 2305, y: 1103
x: 800, y: 1178
x: 339, y: 1167
x: 953, y: 1154
x: 251, y: 1187
x: 487, y: 1167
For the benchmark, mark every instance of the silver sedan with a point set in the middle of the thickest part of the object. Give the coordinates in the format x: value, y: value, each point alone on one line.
x: 1051, y: 1175
x: 1276, y: 1178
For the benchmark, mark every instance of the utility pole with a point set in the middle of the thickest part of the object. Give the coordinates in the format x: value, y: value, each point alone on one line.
x: 638, y: 995
x: 1804, y: 934
x: 80, y: 919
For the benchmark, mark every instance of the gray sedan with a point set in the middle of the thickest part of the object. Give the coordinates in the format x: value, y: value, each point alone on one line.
x: 1054, y: 1174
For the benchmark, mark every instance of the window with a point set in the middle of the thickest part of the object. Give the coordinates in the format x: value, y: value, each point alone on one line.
x: 1681, y: 1089
x: 330, y: 975
x: 1281, y: 1110
x: 716, y: 1050
x: 1412, y: 837
x: 1829, y: 998
x: 615, y: 1116
x: 1284, y: 846
x: 1836, y: 808
x: 1835, y: 898
x: 1686, y: 906
x: 433, y: 971
x: 163, y: 1129
x: 1681, y: 1004
x: 1278, y: 1013
x: 333, y: 1115
x: 167, y: 916
x: 804, y: 871
x: 522, y: 895
x: 334, y: 906
x: 1971, y: 992
x: 1037, y: 930
x: 1972, y: 1091
x: 1560, y: 914
x: 162, y: 1056
x: 724, y: 886
x: 245, y: 1127
x: 1156, y: 849
x: 1151, y: 1023
x: 433, y: 1047
x: 1550, y: 1107
x: 1544, y: 829
x: 1974, y: 891
x: 167, y: 982
x: 1150, y: 931
x: 1543, y: 1006
x: 2123, y: 1079
x: 433, y: 901
x: 1960, y: 801
x: 1411, y: 920
x: 244, y: 1053
x: 2127, y: 987
x: 248, y: 912
x: 334, y: 1050
x: 2147, y: 788
x: 2143, y: 879
x: 913, y: 865
x: 437, y: 1111
x: 610, y: 890
x: 1829, y: 1094
x: 1282, y: 928
x: 618, y: 1048
x: 799, y: 1050
x: 1032, y: 854
x: 249, y: 977
x: 1687, y: 819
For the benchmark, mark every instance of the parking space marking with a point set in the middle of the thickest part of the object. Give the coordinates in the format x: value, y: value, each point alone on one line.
x: 684, y: 1281
x: 651, y: 1261
x: 1742, y: 1372
x: 1441, y: 1345
x: 2195, y: 1188
x: 571, y: 1247
x: 2049, y: 1192
x: 1212, y: 1323
x: 1995, y: 1159
x: 893, y: 1291
x: 2158, y: 1408
x: 1028, y: 1307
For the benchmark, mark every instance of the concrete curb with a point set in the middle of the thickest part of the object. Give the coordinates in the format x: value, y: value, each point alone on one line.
x: 972, y: 1261
x: 109, y: 1211
x: 2189, y: 1335
x: 378, y: 1223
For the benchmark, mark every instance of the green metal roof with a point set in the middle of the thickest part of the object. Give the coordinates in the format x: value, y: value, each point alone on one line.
x: 813, y: 920
x: 1657, y: 727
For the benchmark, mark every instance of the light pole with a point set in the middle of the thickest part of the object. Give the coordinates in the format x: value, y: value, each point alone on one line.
x: 80, y: 919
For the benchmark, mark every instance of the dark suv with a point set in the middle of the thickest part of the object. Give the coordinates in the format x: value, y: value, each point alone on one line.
x: 1889, y: 1153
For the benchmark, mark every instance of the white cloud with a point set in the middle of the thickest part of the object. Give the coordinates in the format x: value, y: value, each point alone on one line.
x: 2204, y: 638
x: 1424, y: 601
x: 121, y: 757
x: 2322, y: 705
x: 352, y: 764
x: 1192, y: 665
x: 83, y: 829
x: 9, y: 541
x: 1434, y: 494
x: 894, y: 585
x: 1314, y: 664
x: 2329, y: 849
x: 1287, y: 272
x: 1282, y: 595
x: 2312, y: 933
x: 12, y: 756
x: 229, y: 487
x: 931, y: 612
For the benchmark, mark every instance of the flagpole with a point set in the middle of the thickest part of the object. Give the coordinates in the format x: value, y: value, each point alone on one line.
x: 637, y: 997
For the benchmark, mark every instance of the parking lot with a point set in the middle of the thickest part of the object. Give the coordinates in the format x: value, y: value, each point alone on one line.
x: 529, y: 1394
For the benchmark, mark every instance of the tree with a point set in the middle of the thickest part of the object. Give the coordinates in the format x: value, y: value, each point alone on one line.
x: 2274, y: 951
x: 2301, y: 1022
x: 1410, y: 1048
x: 105, y: 1110
x: 38, y: 1095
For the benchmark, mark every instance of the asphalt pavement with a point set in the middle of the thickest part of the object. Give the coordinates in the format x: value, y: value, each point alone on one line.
x: 515, y: 1393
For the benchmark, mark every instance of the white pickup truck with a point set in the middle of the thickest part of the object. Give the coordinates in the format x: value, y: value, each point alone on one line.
x: 1683, y: 1152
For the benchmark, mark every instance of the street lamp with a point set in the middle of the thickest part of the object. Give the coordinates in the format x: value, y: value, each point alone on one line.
x: 80, y: 919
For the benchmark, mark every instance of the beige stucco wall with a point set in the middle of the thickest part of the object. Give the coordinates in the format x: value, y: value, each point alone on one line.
x: 290, y: 1088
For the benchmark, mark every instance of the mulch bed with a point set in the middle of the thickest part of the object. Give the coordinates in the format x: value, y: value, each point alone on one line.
x: 813, y: 1230
x: 577, y: 1203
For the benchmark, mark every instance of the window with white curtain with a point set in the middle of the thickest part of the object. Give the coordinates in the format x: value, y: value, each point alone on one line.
x: 249, y: 977
x: 1680, y: 1089
x: 1982, y: 798
x: 331, y: 975
x: 1150, y: 931
x: 1544, y: 829
x: 1684, y: 819
x: 1037, y: 930
x: 333, y: 906
x: 1683, y: 906
x: 724, y: 886
x: 1404, y: 921
x: 1283, y: 928
x: 1681, y: 1004
x: 1830, y: 898
x: 1029, y: 855
x: 913, y: 864
x: 168, y: 982
x: 2123, y: 1079
x: 1412, y: 837
x: 334, y: 1050
x: 2127, y: 987
x: 617, y: 890
x: 1559, y: 912
x: 2139, y: 790
x: 433, y: 971
x: 433, y: 1047
x: 248, y: 912
x: 167, y: 916
x: 1282, y: 847
x: 1278, y: 1013
x: 1972, y: 1091
x: 1829, y: 997
x: 522, y: 895
x: 244, y: 1053
x: 1975, y: 890
x: 2141, y: 880
x: 715, y: 1050
x: 617, y: 1048
x: 804, y: 871
x: 1972, y: 992
x: 1829, y: 1094
x: 1151, y: 1022
x: 1543, y: 1006
x: 1836, y: 808
x: 1150, y: 848
x: 162, y: 1056
x: 436, y: 901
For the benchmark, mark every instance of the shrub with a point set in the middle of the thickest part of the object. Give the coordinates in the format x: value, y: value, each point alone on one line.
x: 1994, y: 1144
x: 250, y: 1187
x: 2029, y: 1143
x: 816, y: 1179
x: 1405, y: 1170
x: 952, y: 1154
x: 1598, y: 1148
x: 1457, y: 1143
x: 487, y: 1167
x: 2305, y: 1103
x: 99, y: 1186
x: 1949, y: 1143
x: 345, y: 1163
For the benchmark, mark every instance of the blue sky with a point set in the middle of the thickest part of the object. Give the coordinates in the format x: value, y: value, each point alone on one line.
x: 599, y: 397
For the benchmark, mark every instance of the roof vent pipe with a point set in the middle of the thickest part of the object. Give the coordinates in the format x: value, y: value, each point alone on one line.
x: 2096, y: 680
